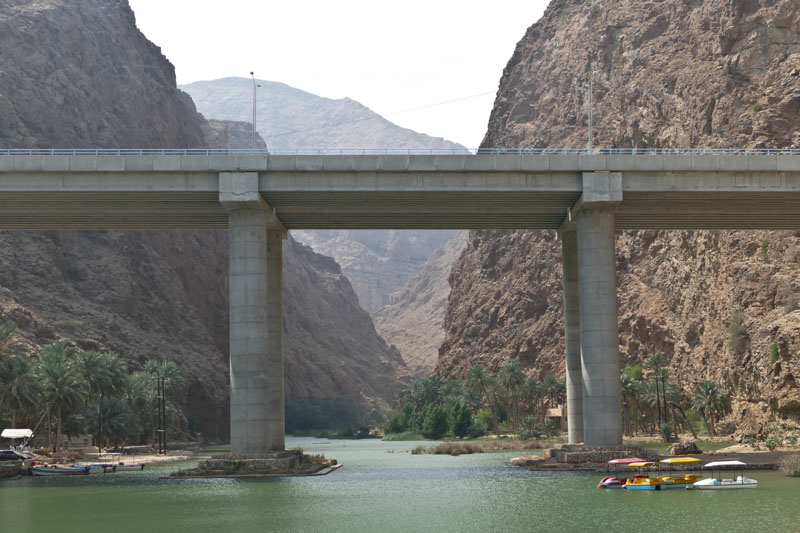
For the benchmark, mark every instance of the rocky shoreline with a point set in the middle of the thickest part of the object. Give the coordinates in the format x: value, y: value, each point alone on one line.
x: 577, y: 458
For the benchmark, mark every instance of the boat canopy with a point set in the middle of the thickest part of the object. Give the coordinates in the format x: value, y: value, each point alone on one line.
x: 680, y: 460
x: 716, y: 464
x: 626, y: 461
x: 643, y: 463
x: 16, y: 434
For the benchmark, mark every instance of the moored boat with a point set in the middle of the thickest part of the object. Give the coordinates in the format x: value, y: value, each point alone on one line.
x: 616, y: 482
x: 662, y: 482
x: 122, y: 467
x: 718, y: 483
x: 58, y: 470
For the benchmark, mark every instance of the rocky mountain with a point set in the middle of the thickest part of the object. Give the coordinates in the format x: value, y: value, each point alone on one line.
x: 79, y: 73
x: 377, y: 262
x: 412, y: 320
x: 289, y: 118
x: 670, y: 73
x: 230, y: 134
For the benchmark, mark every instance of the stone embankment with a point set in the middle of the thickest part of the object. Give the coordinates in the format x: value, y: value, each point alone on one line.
x: 274, y: 464
x: 575, y: 457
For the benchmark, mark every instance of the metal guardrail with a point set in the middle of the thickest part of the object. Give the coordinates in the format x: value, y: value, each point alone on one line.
x: 398, y: 151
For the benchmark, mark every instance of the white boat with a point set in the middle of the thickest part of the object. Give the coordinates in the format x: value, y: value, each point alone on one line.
x: 718, y: 483
x: 58, y: 470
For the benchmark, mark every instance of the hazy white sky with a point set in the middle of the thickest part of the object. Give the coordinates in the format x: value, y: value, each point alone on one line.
x: 390, y: 56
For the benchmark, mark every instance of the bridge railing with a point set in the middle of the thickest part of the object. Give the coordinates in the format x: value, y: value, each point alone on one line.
x: 396, y: 151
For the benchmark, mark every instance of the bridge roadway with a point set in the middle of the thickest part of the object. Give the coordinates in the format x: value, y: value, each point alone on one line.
x: 259, y: 197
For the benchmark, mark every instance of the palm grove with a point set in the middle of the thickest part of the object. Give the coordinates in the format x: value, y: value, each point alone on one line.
x: 64, y: 391
x: 512, y: 401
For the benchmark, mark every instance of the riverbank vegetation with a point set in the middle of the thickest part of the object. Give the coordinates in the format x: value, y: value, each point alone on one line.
x: 653, y: 404
x: 63, y: 391
x: 480, y: 404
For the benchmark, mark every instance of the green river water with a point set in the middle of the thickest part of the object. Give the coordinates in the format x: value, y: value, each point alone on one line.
x: 382, y: 487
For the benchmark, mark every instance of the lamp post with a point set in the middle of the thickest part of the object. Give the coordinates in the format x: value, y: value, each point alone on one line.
x: 255, y: 86
x: 591, y: 110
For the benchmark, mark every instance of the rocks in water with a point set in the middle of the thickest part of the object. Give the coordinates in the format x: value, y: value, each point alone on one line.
x: 685, y: 447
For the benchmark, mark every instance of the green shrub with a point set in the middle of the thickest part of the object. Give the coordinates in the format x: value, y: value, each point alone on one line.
x: 460, y: 420
x: 665, y: 430
x: 484, y: 417
x: 772, y: 442
x: 434, y: 425
x: 756, y: 108
x: 397, y: 424
x: 773, y: 358
x: 550, y: 428
x: 529, y: 428
x: 764, y: 246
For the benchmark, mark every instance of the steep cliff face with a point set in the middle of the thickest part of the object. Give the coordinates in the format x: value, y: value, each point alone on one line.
x: 671, y: 73
x: 413, y: 319
x: 151, y: 295
x: 332, y: 348
x: 70, y: 67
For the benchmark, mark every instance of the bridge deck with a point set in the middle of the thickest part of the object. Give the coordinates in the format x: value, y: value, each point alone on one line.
x: 398, y: 191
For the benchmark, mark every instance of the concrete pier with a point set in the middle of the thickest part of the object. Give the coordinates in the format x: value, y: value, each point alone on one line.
x: 602, y: 409
x: 275, y: 375
x: 256, y: 355
x: 572, y: 332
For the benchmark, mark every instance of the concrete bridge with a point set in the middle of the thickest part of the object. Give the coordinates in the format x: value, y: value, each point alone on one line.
x: 258, y: 197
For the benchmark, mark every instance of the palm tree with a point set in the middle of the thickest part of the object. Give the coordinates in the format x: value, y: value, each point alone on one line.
x: 554, y: 388
x: 168, y: 371
x: 11, y: 343
x: 479, y: 378
x: 513, y: 378
x: 709, y: 399
x: 534, y: 392
x: 655, y: 363
x: 114, y: 422
x: 19, y: 388
x: 140, y: 394
x: 104, y: 375
x: 64, y: 390
x: 630, y: 400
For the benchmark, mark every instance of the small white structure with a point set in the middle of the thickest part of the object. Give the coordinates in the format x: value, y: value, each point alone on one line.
x: 16, y: 434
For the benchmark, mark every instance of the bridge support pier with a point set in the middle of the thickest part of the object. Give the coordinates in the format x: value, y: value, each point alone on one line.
x: 599, y: 337
x: 572, y: 332
x: 256, y: 318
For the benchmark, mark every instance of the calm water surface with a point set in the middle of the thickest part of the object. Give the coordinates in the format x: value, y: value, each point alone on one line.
x: 382, y: 487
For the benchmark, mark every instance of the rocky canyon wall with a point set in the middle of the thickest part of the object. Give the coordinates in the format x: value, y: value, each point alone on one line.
x: 80, y: 74
x: 674, y: 73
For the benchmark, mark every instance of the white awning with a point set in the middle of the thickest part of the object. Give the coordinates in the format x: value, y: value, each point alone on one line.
x: 16, y: 433
x: 723, y: 463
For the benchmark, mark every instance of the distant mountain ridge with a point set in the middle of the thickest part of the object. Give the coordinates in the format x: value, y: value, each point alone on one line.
x: 290, y: 118
x: 412, y: 264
